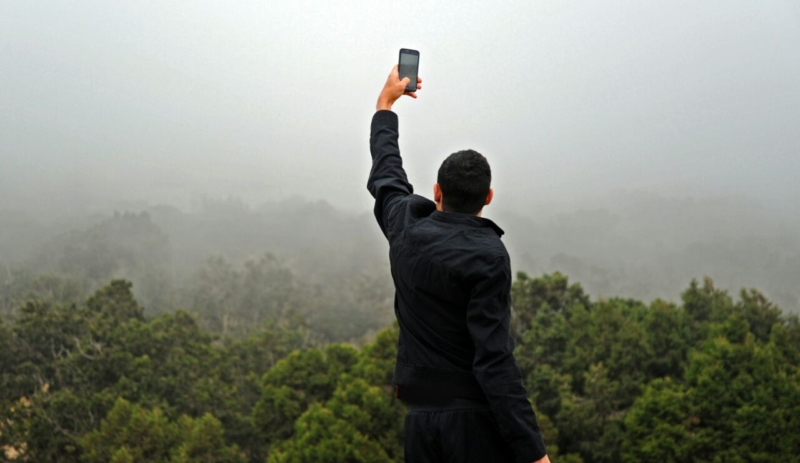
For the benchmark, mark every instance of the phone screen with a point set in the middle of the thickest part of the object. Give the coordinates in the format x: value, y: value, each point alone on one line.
x: 408, y: 67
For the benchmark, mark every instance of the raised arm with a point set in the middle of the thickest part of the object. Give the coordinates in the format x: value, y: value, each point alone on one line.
x: 387, y: 180
x: 495, y: 367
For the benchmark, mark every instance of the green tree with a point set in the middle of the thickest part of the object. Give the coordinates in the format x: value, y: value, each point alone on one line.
x: 549, y: 293
x: 739, y: 402
x: 70, y: 364
x: 133, y: 433
x: 360, y: 422
x: 302, y: 378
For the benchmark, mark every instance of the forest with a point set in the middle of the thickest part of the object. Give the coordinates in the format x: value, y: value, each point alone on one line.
x: 161, y: 335
x: 712, y: 378
x: 629, y: 245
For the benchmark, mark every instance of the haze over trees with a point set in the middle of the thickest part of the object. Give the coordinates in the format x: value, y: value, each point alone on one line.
x: 265, y: 334
x: 226, y: 253
x: 235, y: 345
x: 643, y: 247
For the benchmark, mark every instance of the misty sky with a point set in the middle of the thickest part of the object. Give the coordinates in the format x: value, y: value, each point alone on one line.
x: 170, y: 101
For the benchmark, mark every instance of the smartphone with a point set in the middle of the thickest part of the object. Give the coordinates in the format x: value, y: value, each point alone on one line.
x: 409, y: 67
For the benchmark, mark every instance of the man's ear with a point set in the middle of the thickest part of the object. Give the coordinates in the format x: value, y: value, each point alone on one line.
x: 437, y: 193
x: 489, y: 197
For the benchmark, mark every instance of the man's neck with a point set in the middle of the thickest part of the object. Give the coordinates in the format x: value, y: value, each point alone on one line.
x: 477, y: 214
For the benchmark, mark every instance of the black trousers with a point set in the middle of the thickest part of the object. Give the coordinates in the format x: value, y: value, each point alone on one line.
x: 453, y: 430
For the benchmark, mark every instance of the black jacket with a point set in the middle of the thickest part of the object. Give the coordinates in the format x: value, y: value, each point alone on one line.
x: 452, y: 278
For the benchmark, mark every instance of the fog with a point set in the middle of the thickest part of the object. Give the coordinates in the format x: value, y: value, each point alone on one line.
x: 634, y: 145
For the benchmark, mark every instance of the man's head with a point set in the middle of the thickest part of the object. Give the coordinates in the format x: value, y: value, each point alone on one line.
x: 463, y: 183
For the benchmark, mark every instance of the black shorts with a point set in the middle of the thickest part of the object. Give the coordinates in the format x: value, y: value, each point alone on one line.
x: 452, y: 430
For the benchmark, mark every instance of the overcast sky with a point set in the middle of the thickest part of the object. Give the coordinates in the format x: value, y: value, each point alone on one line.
x: 169, y: 101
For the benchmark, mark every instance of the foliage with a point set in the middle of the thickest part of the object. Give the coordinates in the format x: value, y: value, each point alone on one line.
x: 359, y: 421
x: 132, y: 433
x: 69, y: 365
x: 709, y: 379
x: 623, y: 380
x: 739, y: 401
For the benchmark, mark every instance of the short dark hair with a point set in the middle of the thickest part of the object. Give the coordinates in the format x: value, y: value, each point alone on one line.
x: 464, y: 178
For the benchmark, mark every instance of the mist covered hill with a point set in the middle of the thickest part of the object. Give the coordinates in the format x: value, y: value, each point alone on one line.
x: 639, y: 246
x: 648, y: 247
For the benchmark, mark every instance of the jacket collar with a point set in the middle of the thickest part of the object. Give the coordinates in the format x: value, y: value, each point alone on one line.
x: 466, y: 219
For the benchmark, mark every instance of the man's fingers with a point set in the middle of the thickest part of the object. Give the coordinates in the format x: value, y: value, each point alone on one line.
x: 419, y: 80
x: 411, y: 94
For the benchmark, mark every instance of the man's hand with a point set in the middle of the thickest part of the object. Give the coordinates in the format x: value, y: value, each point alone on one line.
x: 544, y: 459
x: 394, y: 89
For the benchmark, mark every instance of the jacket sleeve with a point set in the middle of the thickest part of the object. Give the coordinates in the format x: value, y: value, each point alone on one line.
x: 495, y: 367
x: 387, y: 182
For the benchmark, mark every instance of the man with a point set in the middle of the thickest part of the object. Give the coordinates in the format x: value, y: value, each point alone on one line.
x: 455, y: 366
